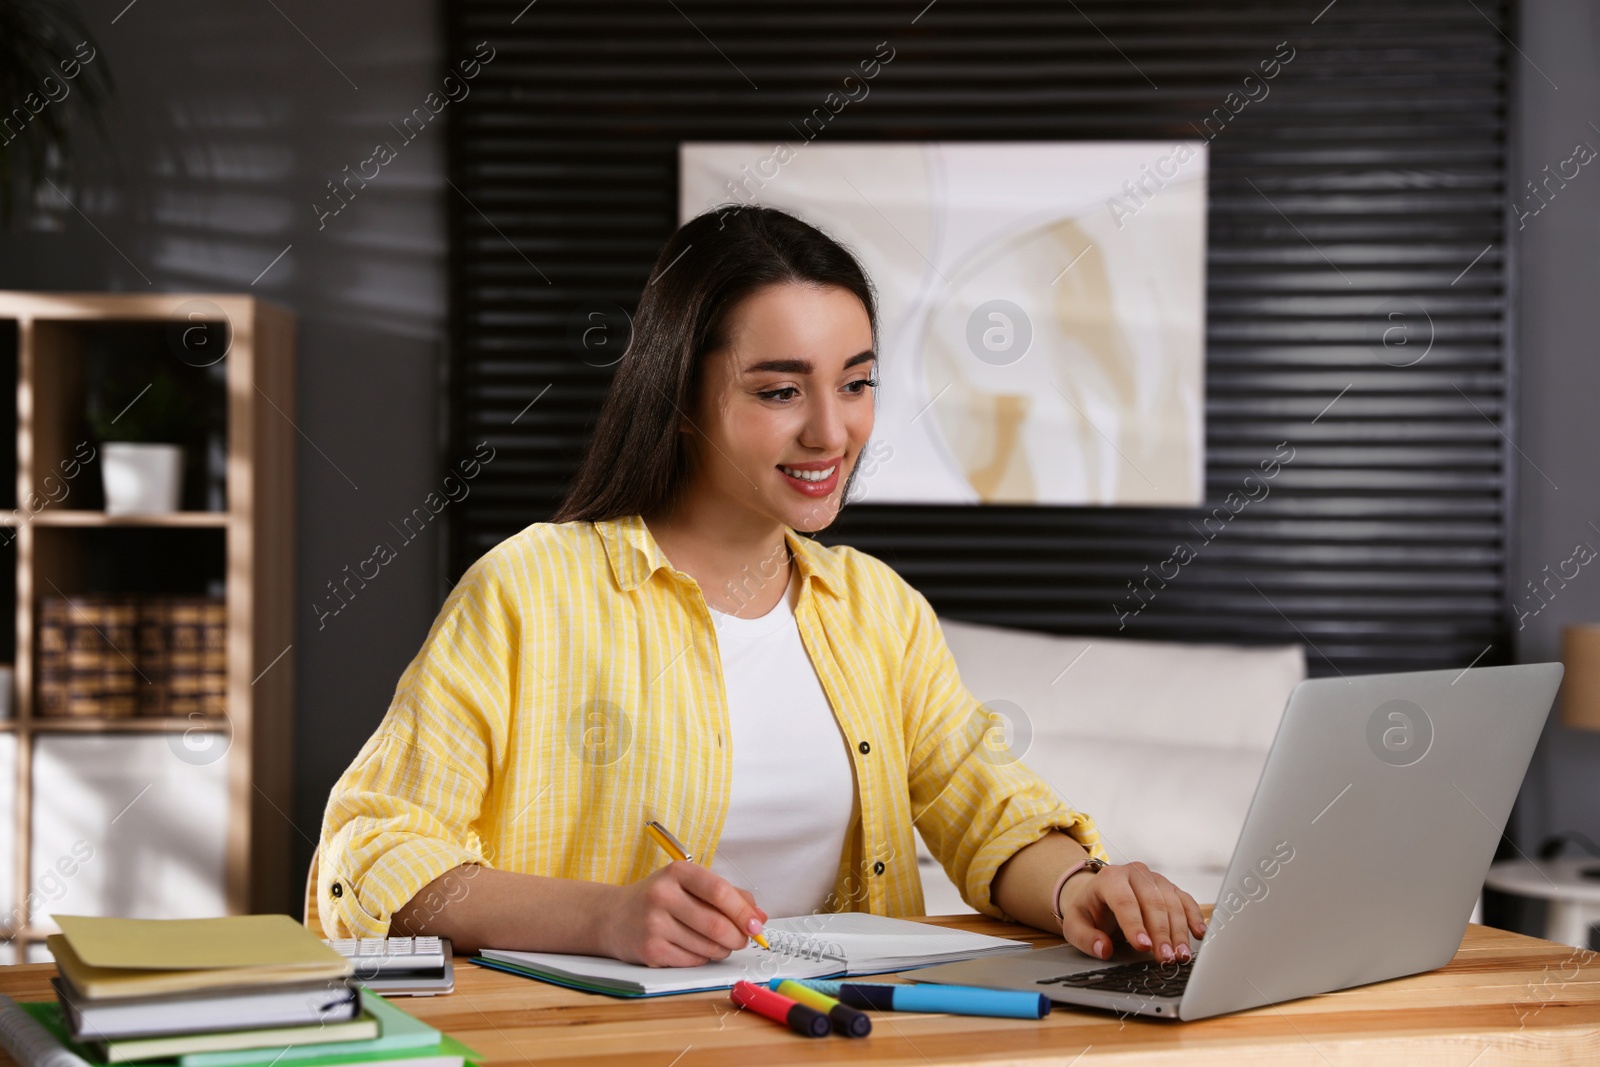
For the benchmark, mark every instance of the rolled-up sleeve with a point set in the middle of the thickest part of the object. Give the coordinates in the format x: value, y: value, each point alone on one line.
x: 977, y: 804
x: 408, y: 808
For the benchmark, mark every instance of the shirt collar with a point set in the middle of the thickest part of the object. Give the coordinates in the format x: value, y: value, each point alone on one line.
x: 635, y: 556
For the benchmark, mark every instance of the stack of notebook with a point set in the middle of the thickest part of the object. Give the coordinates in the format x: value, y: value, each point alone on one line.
x: 245, y: 991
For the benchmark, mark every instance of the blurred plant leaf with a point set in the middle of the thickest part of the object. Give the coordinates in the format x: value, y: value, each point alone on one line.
x: 39, y: 42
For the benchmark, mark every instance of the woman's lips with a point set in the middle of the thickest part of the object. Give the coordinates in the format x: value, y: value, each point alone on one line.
x: 800, y: 478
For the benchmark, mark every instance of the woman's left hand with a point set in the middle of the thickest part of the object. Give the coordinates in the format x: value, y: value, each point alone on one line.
x: 1151, y: 912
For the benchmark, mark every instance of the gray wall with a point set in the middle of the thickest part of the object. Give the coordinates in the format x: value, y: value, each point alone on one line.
x: 1559, y: 381
x: 229, y: 119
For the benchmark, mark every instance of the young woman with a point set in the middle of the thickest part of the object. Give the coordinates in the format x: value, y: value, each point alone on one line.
x: 671, y: 648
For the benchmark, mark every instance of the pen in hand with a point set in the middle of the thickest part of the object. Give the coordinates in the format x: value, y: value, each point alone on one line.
x: 671, y: 846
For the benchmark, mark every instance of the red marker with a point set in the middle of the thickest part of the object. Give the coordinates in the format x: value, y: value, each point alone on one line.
x: 779, y: 1008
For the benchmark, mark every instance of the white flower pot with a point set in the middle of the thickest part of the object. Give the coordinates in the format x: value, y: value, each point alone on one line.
x: 141, y: 479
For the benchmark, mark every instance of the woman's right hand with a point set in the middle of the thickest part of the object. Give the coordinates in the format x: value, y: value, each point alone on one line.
x: 681, y: 915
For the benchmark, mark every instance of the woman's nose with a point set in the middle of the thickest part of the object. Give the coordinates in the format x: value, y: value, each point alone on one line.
x: 825, y: 426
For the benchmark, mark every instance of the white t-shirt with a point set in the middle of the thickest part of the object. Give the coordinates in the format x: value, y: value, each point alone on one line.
x: 793, y: 794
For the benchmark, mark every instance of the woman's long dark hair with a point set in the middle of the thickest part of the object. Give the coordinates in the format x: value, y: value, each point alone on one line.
x: 636, y: 461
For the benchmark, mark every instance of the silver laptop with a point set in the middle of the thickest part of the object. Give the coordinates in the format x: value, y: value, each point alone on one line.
x: 1361, y: 858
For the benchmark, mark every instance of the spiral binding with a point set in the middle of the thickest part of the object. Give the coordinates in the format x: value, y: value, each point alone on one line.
x: 805, y: 946
x: 29, y: 1043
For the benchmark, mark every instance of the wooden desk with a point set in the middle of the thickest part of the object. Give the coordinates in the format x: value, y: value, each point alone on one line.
x: 1504, y: 999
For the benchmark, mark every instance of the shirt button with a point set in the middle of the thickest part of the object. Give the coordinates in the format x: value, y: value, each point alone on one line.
x: 336, y: 889
x: 877, y: 868
x: 864, y: 748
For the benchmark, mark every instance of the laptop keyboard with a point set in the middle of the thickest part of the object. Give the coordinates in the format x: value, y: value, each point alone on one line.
x: 1150, y: 978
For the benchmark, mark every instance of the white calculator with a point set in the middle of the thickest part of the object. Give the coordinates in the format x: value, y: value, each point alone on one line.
x: 399, y: 966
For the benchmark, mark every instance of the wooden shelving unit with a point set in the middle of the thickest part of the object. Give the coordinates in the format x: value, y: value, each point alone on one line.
x: 65, y: 550
x: 100, y: 518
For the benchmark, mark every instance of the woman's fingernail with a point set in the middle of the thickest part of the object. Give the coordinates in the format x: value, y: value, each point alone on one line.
x: 1165, y: 952
x: 754, y: 925
x: 1143, y: 940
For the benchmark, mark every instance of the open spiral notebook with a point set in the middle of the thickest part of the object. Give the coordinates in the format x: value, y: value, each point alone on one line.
x: 835, y: 945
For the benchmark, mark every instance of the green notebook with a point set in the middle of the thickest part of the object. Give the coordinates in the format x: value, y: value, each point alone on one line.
x: 398, y: 1032
x: 48, y: 1014
x: 249, y: 1039
x: 447, y: 1046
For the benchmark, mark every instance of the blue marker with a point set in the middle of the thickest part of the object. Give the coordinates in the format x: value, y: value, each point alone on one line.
x: 949, y: 999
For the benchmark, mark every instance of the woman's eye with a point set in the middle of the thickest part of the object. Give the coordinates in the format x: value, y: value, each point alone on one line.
x: 789, y: 392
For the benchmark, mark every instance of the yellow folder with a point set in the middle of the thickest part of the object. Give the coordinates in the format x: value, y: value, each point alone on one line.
x: 114, y: 958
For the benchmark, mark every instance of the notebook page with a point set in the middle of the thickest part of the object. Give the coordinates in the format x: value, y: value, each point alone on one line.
x: 748, y: 964
x: 871, y: 943
x: 804, y: 946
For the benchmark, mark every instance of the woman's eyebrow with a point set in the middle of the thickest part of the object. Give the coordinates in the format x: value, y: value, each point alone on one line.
x: 799, y: 365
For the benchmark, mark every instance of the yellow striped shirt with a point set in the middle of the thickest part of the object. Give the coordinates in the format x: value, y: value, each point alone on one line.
x: 570, y: 691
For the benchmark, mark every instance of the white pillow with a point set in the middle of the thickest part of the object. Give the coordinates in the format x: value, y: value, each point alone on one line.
x: 1178, y: 806
x: 1122, y: 689
x: 1161, y: 743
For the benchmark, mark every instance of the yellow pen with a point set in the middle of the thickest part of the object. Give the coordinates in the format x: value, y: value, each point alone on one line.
x: 672, y: 847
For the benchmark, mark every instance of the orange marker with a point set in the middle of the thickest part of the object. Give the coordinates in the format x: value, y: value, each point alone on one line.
x: 672, y: 847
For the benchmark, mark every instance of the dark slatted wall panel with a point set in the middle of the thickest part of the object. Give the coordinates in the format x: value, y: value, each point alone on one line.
x: 1362, y: 194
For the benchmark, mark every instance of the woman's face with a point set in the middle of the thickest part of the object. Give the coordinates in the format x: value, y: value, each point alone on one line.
x: 785, y: 406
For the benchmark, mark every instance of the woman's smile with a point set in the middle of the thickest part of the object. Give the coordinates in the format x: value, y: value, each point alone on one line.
x: 817, y: 478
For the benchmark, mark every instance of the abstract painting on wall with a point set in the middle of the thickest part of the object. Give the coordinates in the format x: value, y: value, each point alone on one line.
x: 1041, y: 308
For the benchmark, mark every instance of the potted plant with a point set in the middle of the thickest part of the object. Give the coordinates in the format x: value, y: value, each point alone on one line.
x: 141, y: 461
